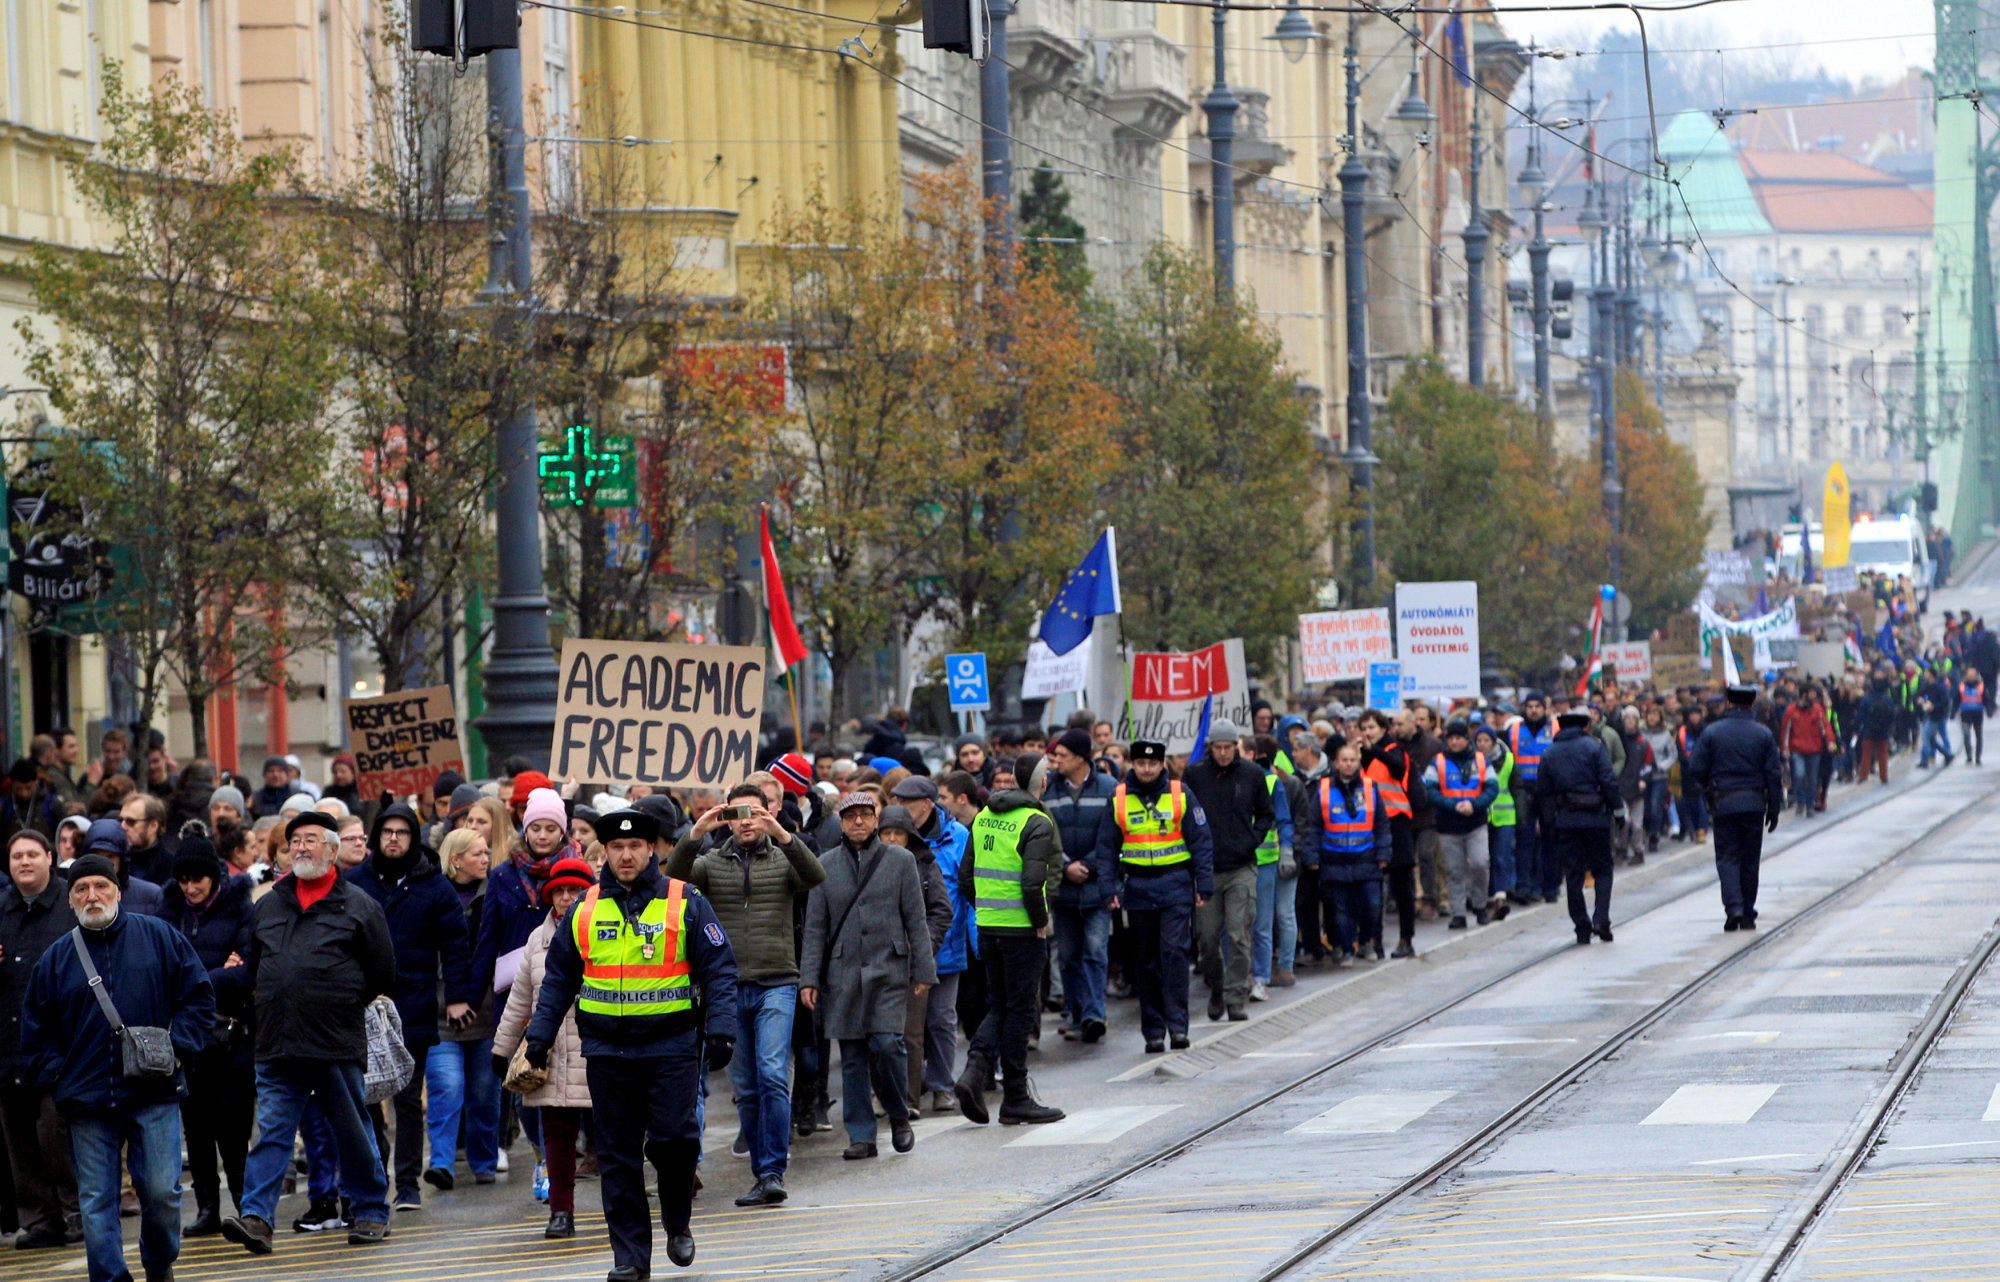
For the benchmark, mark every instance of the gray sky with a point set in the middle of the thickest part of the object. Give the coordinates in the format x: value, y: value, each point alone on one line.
x: 1876, y: 39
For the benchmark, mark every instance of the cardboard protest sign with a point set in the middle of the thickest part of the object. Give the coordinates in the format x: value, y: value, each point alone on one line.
x: 666, y: 715
x: 1437, y: 639
x: 1168, y: 690
x: 1338, y: 645
x: 404, y: 741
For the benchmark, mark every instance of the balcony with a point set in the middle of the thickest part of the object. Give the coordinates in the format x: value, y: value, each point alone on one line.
x: 1255, y: 155
x: 1145, y: 84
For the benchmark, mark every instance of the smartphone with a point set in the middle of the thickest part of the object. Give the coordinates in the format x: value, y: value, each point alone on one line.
x: 741, y: 811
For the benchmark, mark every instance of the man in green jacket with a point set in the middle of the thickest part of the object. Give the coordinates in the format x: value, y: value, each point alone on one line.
x: 750, y: 881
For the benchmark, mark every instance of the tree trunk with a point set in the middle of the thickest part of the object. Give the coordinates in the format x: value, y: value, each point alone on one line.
x: 198, y: 718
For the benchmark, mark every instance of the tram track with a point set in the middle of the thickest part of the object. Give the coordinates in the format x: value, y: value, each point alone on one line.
x: 1509, y: 1119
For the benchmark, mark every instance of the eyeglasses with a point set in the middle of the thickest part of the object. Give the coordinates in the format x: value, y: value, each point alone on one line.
x: 130, y: 823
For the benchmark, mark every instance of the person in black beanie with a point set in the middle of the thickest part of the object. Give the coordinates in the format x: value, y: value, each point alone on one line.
x: 212, y: 909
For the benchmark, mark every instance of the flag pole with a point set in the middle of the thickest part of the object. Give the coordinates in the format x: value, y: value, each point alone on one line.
x: 791, y: 678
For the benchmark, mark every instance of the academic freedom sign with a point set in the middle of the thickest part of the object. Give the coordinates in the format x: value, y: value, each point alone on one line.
x: 666, y: 715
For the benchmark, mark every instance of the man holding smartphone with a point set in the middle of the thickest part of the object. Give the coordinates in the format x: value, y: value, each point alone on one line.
x: 750, y: 880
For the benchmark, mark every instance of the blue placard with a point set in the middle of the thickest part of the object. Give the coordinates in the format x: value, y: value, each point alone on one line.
x: 965, y: 680
x: 1385, y: 686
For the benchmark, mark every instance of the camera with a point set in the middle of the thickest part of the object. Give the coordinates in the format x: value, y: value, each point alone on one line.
x: 741, y: 811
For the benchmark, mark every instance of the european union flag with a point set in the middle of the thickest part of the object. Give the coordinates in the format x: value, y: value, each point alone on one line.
x: 1885, y: 642
x: 1090, y: 590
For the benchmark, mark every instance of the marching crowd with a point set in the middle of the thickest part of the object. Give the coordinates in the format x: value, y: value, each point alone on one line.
x: 291, y: 990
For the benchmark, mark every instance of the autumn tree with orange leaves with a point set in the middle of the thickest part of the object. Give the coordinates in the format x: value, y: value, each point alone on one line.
x: 946, y: 440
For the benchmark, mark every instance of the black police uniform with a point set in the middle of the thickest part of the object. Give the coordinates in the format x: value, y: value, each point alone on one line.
x: 1578, y: 795
x: 1736, y: 765
x: 644, y: 1070
x: 1159, y: 909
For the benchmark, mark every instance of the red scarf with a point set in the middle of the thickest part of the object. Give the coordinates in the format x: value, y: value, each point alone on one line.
x: 311, y: 892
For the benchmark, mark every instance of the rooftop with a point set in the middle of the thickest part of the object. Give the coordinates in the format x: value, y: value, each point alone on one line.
x: 1825, y: 192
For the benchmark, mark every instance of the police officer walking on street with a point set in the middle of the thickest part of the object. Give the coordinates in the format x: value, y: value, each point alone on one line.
x: 1736, y: 765
x: 1166, y: 869
x: 1579, y: 795
x: 629, y: 955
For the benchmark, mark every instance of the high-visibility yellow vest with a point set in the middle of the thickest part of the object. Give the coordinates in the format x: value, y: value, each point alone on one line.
x: 1267, y: 849
x: 1152, y: 836
x: 634, y: 967
x: 996, y: 868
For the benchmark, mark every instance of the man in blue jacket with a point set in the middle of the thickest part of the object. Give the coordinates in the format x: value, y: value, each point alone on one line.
x: 1735, y: 764
x: 427, y: 925
x: 629, y: 957
x: 1462, y: 785
x: 153, y: 979
x: 1078, y: 798
x: 1578, y: 796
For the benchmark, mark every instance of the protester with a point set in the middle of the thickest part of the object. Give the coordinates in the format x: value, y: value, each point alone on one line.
x: 1231, y: 792
x: 140, y: 971
x: 458, y: 1075
x: 1352, y: 845
x: 34, y: 914
x: 1462, y: 790
x: 1078, y: 799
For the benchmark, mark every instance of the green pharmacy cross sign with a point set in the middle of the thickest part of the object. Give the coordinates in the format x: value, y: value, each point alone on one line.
x: 588, y: 465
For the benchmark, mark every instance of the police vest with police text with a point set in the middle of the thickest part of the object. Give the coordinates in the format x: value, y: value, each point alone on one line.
x: 1152, y: 836
x: 634, y: 967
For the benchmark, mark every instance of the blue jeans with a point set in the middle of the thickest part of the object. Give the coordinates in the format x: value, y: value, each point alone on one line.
x: 1500, y: 859
x: 283, y: 1088
x: 1083, y: 945
x: 1694, y: 814
x: 1274, y: 935
x: 1936, y: 738
x: 152, y: 1134
x: 1657, y: 800
x: 459, y: 1077
x: 759, y: 1072
x: 1805, y: 778
x: 1357, y: 910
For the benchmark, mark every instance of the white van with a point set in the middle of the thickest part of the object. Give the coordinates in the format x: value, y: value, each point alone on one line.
x: 1890, y: 545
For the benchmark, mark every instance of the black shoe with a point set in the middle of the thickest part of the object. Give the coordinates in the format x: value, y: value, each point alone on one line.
x: 1156, y: 1048
x: 971, y: 1098
x: 1638, y: 859
x: 1237, y: 1014
x: 628, y: 1273
x: 440, y: 1179
x: 1179, y: 1041
x: 561, y: 1224
x: 1750, y: 921
x: 858, y: 1151
x: 367, y: 1232
x: 1093, y: 1031
x: 680, y: 1248
x: 1731, y: 924
x: 821, y: 1122
x: 1458, y: 923
x: 1404, y: 948
x: 248, y: 1232
x: 37, y: 1241
x: 164, y: 1275
x: 1215, y: 1006
x: 1582, y: 937
x: 1024, y: 1110
x: 901, y: 1137
x: 803, y: 1124
x: 207, y: 1223
x: 1604, y: 933
x: 1479, y: 915
x: 1379, y: 954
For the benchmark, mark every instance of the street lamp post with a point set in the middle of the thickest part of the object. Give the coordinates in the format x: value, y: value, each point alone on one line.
x: 1220, y: 106
x: 1534, y: 194
x: 1596, y: 226
x: 520, y: 674
x: 1476, y: 235
x: 1353, y: 186
x: 996, y: 152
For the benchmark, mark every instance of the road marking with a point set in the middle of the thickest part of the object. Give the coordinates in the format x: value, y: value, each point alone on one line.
x: 1655, y: 1215
x: 1712, y: 1104
x: 1922, y: 1148
x: 1993, y: 1107
x: 1753, y: 1157
x: 1759, y: 1035
x: 1280, y: 1055
x: 1092, y: 1126
x: 1496, y: 1041
x: 1636, y: 1277
x: 1373, y: 1114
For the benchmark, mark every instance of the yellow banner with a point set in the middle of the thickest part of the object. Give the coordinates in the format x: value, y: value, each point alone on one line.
x: 1834, y: 521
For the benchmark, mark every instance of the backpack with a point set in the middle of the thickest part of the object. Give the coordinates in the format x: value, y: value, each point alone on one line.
x: 390, y: 1063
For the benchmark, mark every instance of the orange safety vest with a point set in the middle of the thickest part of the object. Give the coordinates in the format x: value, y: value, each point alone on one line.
x: 1461, y: 792
x: 1395, y: 797
x: 1351, y: 833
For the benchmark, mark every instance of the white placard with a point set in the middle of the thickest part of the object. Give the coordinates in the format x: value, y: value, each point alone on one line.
x: 1168, y: 691
x: 1633, y: 660
x: 1338, y: 645
x: 1049, y: 674
x: 1437, y: 639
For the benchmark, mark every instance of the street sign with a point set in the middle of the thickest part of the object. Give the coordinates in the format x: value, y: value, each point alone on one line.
x: 1385, y: 686
x: 600, y: 468
x: 965, y: 681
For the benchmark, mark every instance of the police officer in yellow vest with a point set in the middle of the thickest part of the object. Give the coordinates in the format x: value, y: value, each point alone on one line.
x: 1166, y: 869
x: 632, y: 955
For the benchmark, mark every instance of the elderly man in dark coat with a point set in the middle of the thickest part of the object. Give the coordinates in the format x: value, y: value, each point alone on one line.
x: 867, y: 952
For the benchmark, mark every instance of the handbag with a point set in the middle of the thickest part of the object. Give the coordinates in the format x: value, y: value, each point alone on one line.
x: 389, y: 1061
x: 522, y: 1077
x: 145, y: 1054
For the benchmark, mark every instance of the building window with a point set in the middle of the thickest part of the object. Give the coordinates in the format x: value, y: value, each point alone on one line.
x: 556, y: 77
x: 1892, y: 321
x: 1855, y: 322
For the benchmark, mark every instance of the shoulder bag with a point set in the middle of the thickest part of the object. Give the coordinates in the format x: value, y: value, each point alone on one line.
x: 146, y: 1054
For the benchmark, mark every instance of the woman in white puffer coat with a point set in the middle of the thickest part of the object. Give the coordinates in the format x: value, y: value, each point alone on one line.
x: 564, y: 1099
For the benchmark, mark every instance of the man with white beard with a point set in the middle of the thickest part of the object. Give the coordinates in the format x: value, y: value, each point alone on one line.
x: 117, y: 971
x: 319, y: 953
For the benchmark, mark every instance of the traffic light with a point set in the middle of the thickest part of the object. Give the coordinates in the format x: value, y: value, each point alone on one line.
x: 489, y: 25
x: 1561, y: 289
x: 956, y: 25
x: 1559, y: 327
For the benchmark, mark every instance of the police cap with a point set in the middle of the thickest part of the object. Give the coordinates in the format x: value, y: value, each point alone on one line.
x: 1743, y: 694
x: 1148, y: 750
x: 1575, y: 718
x: 628, y: 823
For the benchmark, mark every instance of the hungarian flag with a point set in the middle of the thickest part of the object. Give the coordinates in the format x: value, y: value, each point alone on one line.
x: 784, y: 633
x: 1596, y: 653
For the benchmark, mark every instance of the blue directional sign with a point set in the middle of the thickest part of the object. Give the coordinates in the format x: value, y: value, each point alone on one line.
x: 965, y: 679
x: 1385, y: 686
